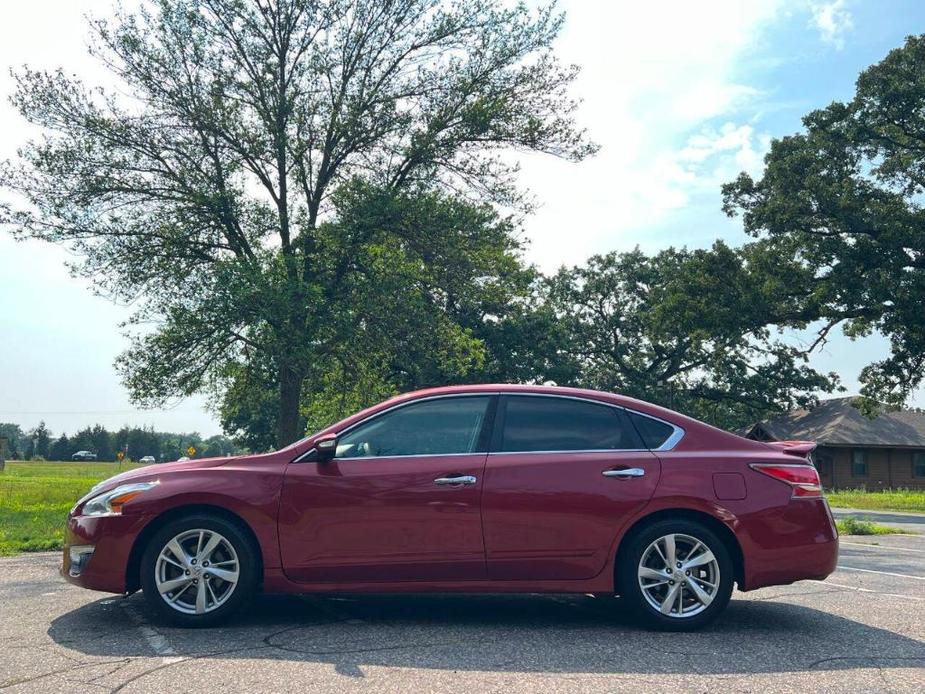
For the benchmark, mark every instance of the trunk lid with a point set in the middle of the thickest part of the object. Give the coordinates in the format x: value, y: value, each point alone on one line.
x: 798, y: 449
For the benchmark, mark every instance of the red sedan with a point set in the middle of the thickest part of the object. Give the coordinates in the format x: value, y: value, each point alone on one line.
x: 470, y: 489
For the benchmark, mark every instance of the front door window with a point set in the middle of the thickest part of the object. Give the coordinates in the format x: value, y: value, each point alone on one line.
x: 443, y: 426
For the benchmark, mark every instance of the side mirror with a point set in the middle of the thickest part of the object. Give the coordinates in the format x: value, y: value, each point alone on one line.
x: 325, y: 448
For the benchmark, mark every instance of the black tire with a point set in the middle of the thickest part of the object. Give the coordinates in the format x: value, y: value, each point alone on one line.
x: 247, y: 564
x: 635, y: 598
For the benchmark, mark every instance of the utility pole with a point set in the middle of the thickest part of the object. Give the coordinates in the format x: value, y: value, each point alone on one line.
x: 3, y: 441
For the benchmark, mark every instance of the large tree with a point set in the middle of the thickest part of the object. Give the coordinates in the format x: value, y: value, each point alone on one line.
x: 839, y: 218
x: 198, y: 188
x: 689, y: 329
x: 428, y: 272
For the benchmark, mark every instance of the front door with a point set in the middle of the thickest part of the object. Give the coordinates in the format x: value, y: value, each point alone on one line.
x: 399, y: 502
x: 563, y: 476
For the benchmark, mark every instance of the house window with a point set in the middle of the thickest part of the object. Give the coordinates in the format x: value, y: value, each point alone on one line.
x: 859, y: 463
x: 918, y: 464
x: 823, y: 463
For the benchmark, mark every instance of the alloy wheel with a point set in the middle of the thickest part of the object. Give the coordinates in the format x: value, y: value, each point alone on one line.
x: 197, y: 571
x: 679, y: 575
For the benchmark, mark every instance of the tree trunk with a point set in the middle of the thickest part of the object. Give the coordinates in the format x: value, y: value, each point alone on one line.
x: 290, y: 389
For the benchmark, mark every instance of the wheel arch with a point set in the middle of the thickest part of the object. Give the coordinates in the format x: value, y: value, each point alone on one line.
x: 133, y: 566
x: 723, y: 531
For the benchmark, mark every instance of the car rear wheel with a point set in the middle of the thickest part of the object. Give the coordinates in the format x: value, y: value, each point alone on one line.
x: 676, y: 575
x: 196, y: 571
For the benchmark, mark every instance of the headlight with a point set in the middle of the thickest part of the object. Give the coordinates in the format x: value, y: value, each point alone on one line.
x: 110, y: 503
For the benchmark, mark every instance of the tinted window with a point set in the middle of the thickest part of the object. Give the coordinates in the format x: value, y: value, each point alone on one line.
x: 653, y: 432
x: 432, y: 427
x: 562, y: 424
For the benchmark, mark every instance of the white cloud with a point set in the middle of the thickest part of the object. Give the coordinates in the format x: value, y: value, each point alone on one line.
x: 708, y: 159
x: 833, y: 20
x: 721, y: 154
x: 652, y: 81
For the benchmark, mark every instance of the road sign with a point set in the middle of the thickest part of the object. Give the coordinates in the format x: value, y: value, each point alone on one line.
x: 190, y: 451
x: 120, y: 456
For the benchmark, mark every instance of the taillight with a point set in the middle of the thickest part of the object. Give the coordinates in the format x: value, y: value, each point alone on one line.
x: 803, y: 479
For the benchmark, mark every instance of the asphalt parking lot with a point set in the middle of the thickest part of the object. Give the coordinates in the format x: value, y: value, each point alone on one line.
x: 861, y: 630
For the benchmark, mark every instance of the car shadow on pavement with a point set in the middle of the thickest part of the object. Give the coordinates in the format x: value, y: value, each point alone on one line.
x: 502, y: 633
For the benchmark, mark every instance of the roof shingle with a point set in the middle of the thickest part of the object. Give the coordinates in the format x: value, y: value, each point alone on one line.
x: 836, y: 422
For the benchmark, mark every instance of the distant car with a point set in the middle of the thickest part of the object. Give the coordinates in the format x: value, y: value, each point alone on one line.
x: 147, y: 460
x: 83, y: 455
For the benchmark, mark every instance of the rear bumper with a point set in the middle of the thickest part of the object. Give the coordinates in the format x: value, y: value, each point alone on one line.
x: 789, y: 543
x: 112, y: 539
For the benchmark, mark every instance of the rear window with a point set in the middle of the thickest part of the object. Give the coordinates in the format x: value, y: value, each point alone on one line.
x: 653, y: 432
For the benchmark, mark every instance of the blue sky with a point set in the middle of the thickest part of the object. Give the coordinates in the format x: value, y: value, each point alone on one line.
x: 680, y: 95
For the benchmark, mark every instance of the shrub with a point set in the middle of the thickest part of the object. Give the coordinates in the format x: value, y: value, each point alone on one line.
x: 859, y: 526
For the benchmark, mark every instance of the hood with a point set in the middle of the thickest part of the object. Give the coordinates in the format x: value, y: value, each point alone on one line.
x: 151, y: 472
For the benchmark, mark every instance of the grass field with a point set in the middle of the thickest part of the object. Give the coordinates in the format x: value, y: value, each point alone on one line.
x: 35, y: 498
x: 890, y: 500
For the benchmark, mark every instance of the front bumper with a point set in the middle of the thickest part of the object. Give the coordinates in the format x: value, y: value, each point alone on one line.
x: 112, y: 539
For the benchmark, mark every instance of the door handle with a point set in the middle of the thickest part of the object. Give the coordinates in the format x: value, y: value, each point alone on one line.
x: 459, y: 479
x: 625, y: 473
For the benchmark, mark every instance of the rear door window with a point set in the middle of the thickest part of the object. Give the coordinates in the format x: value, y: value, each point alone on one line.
x: 537, y: 423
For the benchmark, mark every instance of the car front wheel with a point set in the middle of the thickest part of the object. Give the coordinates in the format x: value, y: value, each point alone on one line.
x: 676, y: 575
x: 196, y: 571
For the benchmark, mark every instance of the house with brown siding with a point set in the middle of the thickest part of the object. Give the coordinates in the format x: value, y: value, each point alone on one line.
x: 854, y: 450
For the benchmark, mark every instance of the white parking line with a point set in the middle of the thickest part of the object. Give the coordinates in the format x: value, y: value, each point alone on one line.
x: 889, y: 548
x: 155, y: 639
x: 876, y: 592
x: 882, y: 573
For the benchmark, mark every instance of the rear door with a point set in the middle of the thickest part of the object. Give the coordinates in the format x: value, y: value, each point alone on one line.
x: 563, y: 476
x: 400, y: 501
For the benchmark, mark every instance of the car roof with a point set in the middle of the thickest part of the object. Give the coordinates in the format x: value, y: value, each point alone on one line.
x: 517, y: 388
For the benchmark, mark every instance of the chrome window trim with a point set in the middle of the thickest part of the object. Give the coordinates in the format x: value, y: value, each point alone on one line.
x: 669, y: 444
x: 576, y: 450
x: 412, y: 455
x: 307, y: 453
x: 301, y: 458
x: 672, y: 440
